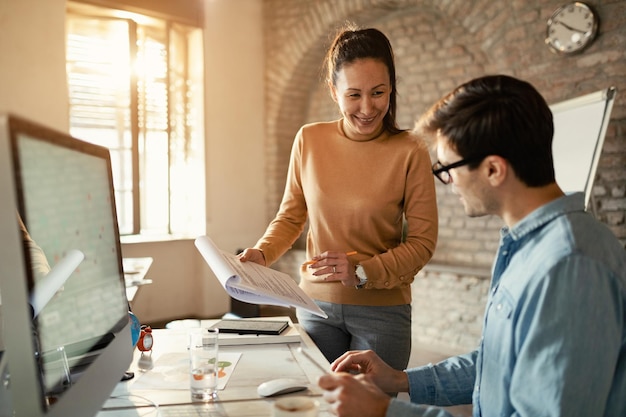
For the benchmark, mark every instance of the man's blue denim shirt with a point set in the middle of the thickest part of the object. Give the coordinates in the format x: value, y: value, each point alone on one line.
x: 554, y: 330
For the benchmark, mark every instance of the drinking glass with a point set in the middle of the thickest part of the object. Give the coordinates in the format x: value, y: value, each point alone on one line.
x: 203, y: 363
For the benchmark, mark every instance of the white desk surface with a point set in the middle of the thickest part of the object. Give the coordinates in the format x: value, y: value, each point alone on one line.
x: 135, y: 270
x: 258, y: 363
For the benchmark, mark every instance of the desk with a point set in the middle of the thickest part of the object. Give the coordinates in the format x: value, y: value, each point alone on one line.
x: 135, y: 270
x: 258, y: 363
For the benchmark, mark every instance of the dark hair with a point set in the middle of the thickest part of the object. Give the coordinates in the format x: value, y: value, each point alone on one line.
x: 352, y: 44
x: 497, y: 115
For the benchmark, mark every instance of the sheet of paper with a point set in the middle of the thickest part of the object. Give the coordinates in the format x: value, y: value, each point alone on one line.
x: 212, y: 255
x: 270, y: 282
x: 171, y: 372
x: 254, y: 283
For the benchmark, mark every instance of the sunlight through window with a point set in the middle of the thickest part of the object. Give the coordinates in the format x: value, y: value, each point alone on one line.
x: 135, y: 87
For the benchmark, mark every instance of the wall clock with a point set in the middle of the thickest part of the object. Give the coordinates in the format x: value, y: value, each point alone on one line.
x: 571, y: 28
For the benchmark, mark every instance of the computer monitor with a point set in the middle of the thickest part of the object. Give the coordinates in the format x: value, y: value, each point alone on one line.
x: 61, y: 189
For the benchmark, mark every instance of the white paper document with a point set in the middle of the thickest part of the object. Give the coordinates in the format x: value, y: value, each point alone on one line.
x: 171, y: 371
x: 253, y: 283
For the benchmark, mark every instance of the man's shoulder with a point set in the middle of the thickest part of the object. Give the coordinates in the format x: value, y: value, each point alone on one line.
x: 574, y: 238
x: 595, y: 241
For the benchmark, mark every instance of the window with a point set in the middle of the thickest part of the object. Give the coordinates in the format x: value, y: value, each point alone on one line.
x: 136, y: 87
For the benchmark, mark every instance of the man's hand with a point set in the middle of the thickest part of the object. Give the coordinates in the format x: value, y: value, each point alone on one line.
x: 353, y: 396
x: 377, y: 371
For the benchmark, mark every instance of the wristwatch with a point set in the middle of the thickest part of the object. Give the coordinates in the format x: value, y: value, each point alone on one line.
x: 360, y: 274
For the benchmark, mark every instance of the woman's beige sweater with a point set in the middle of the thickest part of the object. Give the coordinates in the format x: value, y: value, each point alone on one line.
x: 354, y: 194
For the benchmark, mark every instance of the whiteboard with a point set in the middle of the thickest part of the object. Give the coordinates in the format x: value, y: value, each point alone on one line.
x: 579, y: 129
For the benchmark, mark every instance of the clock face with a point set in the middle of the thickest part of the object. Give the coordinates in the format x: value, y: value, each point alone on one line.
x: 571, y: 28
x: 147, y: 341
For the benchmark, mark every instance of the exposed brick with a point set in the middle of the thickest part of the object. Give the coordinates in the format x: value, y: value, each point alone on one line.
x: 439, y: 45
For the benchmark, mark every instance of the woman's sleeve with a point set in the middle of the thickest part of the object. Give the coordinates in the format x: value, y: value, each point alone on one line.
x: 289, y: 222
x: 399, y: 265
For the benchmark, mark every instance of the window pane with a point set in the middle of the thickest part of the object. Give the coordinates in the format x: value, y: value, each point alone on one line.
x: 187, y: 198
x: 98, y: 68
x: 136, y: 87
x: 152, y: 73
x: 154, y: 190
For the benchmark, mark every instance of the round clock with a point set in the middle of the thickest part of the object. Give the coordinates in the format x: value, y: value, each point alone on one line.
x: 145, y: 339
x: 571, y: 28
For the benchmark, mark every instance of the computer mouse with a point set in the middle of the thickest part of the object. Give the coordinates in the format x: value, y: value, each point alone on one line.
x: 280, y: 386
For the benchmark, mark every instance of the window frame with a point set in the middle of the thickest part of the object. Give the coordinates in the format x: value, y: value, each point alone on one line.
x: 167, y: 24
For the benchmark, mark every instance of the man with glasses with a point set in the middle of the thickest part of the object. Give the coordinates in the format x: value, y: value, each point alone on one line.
x: 554, y: 330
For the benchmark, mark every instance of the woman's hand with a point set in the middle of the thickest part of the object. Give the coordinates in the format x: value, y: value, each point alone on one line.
x: 334, y: 266
x: 252, y: 255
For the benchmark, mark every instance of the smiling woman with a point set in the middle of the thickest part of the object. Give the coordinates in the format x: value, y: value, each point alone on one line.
x: 362, y: 92
x: 357, y: 181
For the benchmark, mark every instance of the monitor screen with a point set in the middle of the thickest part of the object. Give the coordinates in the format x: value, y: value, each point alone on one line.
x: 63, y: 203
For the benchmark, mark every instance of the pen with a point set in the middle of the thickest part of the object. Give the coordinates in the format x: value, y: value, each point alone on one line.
x: 347, y: 254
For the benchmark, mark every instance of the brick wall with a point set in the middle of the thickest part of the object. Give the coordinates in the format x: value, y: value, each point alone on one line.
x: 438, y: 45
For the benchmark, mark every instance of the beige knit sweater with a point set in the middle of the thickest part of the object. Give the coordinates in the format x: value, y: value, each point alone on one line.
x: 354, y: 194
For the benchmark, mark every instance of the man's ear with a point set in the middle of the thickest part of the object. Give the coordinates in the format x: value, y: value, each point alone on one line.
x: 497, y: 169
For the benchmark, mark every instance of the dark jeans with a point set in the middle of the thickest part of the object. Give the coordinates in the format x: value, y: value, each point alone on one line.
x: 384, y: 329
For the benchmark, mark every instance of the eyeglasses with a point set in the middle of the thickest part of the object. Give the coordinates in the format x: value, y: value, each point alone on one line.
x: 442, y: 171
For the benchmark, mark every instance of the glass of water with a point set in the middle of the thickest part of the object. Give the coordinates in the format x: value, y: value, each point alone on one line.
x: 203, y: 363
